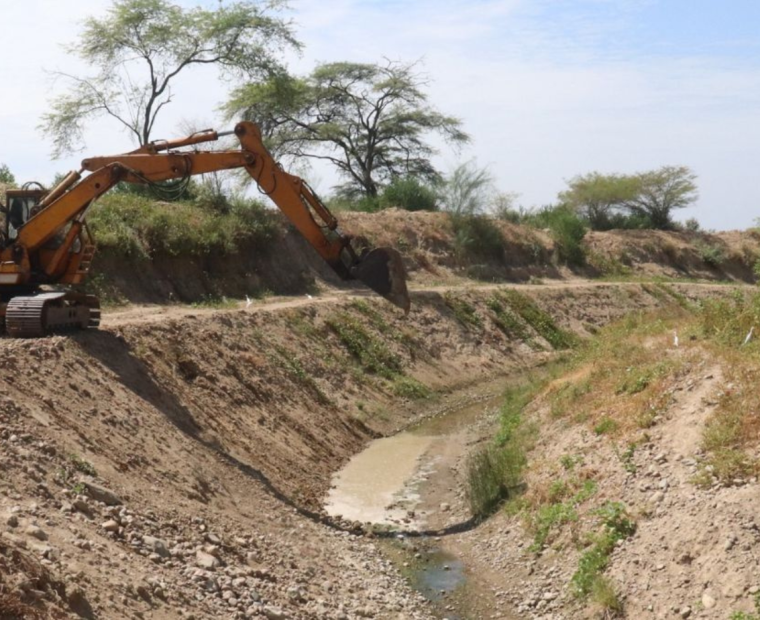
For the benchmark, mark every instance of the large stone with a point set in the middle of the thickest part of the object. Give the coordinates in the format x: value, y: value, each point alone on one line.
x: 156, y: 545
x: 102, y: 494
x: 36, y: 532
x: 206, y: 560
x: 708, y: 601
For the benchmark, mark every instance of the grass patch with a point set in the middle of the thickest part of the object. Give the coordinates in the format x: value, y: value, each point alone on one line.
x: 616, y: 525
x: 406, y: 387
x: 743, y: 615
x: 494, y: 473
x: 137, y: 226
x: 464, y: 311
x: 507, y: 321
x: 370, y: 351
x: 606, y: 426
x: 539, y: 320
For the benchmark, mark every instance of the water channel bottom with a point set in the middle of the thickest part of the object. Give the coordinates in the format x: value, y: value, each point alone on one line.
x: 377, y: 482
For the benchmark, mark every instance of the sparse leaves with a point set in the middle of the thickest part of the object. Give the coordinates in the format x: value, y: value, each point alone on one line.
x: 140, y: 47
x: 371, y: 121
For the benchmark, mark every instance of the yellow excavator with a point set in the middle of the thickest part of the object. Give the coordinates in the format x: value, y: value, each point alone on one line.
x: 46, y: 240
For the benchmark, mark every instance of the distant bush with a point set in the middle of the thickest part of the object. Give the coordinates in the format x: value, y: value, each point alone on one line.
x: 135, y: 226
x: 477, y: 236
x: 409, y: 194
x: 363, y: 204
x: 467, y: 190
x: 568, y: 230
x: 711, y: 254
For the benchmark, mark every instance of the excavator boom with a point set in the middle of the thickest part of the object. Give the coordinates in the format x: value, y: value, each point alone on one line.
x: 27, y: 259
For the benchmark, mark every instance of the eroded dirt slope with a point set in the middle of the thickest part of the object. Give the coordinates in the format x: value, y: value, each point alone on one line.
x: 173, y: 467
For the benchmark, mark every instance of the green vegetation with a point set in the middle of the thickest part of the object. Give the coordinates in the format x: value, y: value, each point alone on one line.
x: 506, y: 320
x: 560, y: 508
x: 608, y: 266
x: 478, y: 237
x: 642, y: 200
x: 495, y: 471
x: 138, y: 227
x: 383, y: 107
x: 616, y: 526
x: 606, y: 426
x: 464, y: 311
x: 370, y: 351
x: 712, y: 255
x: 743, y: 615
x: 539, y: 320
x: 406, y: 387
x: 81, y: 465
x: 137, y: 50
x: 409, y: 194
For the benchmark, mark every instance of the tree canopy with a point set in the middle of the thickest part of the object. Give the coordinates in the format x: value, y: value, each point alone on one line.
x: 596, y: 196
x: 650, y: 196
x: 372, y: 121
x: 137, y: 50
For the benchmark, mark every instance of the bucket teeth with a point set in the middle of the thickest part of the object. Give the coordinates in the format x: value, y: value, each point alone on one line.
x: 383, y: 271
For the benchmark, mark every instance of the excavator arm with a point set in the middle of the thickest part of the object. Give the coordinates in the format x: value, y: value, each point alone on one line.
x: 28, y: 260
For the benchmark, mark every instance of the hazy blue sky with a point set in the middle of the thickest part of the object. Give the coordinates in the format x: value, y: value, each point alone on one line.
x: 547, y: 88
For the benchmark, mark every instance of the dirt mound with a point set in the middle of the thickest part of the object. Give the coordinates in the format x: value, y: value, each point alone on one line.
x: 435, y: 253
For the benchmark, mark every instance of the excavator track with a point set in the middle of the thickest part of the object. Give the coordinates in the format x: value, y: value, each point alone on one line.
x: 38, y: 315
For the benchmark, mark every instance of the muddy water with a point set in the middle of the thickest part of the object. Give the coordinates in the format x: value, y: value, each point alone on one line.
x: 410, y: 482
x: 388, y: 482
x: 377, y: 483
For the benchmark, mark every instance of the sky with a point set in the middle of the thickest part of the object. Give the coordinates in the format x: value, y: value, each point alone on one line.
x: 547, y: 89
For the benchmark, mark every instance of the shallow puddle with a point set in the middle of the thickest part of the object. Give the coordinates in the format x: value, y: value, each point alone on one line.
x: 375, y: 485
x: 439, y: 576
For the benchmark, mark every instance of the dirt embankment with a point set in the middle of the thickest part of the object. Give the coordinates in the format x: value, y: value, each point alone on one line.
x: 215, y: 436
x: 434, y: 254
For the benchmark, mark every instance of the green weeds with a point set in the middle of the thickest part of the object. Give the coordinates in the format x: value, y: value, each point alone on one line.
x: 539, y: 320
x: 616, y: 526
x: 370, y: 351
x: 464, y: 312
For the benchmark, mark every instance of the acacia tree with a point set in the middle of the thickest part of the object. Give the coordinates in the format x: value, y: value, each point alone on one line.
x: 140, y: 47
x: 372, y: 121
x: 659, y: 192
x: 649, y: 196
x: 598, y: 196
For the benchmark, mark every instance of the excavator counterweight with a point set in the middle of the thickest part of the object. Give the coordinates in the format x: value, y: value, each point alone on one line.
x: 46, y: 240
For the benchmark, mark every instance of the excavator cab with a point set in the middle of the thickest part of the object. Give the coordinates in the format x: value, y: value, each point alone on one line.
x: 19, y: 207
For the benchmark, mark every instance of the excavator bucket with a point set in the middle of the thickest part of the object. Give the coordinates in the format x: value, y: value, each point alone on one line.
x: 383, y: 271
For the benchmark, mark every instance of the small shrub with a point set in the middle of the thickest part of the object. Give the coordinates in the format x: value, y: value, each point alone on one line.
x: 486, y: 480
x: 616, y: 526
x: 477, y: 236
x: 568, y: 230
x: 603, y: 594
x: 712, y: 255
x: 409, y: 194
x: 606, y: 426
x: 82, y: 466
x: 406, y: 387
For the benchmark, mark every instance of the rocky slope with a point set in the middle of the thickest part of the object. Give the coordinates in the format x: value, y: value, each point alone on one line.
x: 173, y: 466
